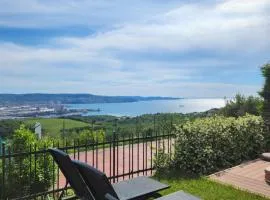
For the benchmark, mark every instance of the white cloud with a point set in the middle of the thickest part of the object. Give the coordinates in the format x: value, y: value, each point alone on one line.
x: 97, y: 63
x: 189, y: 27
x: 245, y: 7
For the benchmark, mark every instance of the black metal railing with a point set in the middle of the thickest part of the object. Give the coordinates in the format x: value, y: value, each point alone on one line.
x: 32, y: 174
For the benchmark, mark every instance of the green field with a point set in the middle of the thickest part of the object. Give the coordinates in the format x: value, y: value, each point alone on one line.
x: 53, y: 126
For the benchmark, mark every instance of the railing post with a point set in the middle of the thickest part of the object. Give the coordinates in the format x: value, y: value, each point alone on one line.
x: 114, y: 157
x: 171, y: 132
x: 3, y: 171
x: 113, y: 160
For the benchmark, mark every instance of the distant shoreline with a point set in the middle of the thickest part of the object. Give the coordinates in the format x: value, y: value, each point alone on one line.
x: 38, y: 98
x: 115, y: 109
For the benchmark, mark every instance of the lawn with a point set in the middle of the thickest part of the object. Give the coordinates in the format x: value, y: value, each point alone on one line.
x: 204, y: 188
x: 53, y: 126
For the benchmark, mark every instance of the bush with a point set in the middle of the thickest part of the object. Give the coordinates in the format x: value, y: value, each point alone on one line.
x: 209, y: 144
x: 162, y: 161
x: 27, y: 174
x: 92, y: 136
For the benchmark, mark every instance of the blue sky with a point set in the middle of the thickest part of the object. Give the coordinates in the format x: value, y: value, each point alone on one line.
x: 144, y: 47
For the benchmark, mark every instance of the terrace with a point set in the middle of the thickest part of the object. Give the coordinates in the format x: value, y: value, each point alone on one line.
x: 249, y: 176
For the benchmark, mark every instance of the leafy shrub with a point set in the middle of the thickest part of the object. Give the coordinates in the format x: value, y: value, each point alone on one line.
x: 162, y: 161
x: 209, y: 144
x: 27, y: 173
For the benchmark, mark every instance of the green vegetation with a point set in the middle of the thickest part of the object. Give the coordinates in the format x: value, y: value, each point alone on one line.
x: 20, y: 180
x: 125, y: 126
x: 71, y: 127
x: 265, y: 93
x: 242, y: 105
x: 209, y: 144
x: 128, y: 125
x: 53, y: 127
x: 203, y: 187
x: 8, y: 126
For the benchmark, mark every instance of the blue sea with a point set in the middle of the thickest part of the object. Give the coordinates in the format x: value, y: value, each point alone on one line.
x: 151, y: 107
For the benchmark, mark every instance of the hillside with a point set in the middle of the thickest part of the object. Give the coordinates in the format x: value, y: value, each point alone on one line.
x: 52, y: 126
x: 38, y: 98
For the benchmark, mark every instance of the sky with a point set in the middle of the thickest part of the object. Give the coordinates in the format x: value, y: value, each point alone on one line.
x: 188, y: 48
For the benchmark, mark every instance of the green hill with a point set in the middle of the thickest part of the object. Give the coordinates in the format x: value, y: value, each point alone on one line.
x: 37, y: 98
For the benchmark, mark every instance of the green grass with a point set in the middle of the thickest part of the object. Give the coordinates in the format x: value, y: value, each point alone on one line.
x: 53, y: 126
x: 204, y: 188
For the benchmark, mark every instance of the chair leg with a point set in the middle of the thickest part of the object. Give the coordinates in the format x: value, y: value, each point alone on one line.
x: 62, y: 193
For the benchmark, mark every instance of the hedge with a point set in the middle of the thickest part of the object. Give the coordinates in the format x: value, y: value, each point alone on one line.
x: 209, y: 144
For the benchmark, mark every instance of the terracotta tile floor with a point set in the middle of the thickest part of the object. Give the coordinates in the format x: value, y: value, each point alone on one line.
x: 247, y: 176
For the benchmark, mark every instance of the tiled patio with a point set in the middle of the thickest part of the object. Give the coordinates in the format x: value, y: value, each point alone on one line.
x: 247, y: 176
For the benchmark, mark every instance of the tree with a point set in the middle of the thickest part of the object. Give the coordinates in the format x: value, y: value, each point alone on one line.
x: 8, y: 126
x: 265, y: 93
x: 241, y: 105
x: 91, y: 136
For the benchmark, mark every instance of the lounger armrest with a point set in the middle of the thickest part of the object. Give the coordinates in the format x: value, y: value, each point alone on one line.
x: 110, y: 197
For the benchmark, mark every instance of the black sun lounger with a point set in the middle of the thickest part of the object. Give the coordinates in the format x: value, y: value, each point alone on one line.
x: 136, y: 188
x: 72, y: 175
x: 97, y: 184
x: 91, y: 184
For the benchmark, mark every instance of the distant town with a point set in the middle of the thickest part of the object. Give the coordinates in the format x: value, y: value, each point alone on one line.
x: 39, y: 110
x: 55, y: 105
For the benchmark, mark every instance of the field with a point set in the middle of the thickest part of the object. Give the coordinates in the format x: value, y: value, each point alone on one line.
x: 53, y: 126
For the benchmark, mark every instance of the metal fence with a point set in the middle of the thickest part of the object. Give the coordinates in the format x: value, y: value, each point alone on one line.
x: 32, y: 174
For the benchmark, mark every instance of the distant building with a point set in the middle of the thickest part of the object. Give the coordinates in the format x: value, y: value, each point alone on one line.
x: 59, y: 108
x: 38, y: 128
